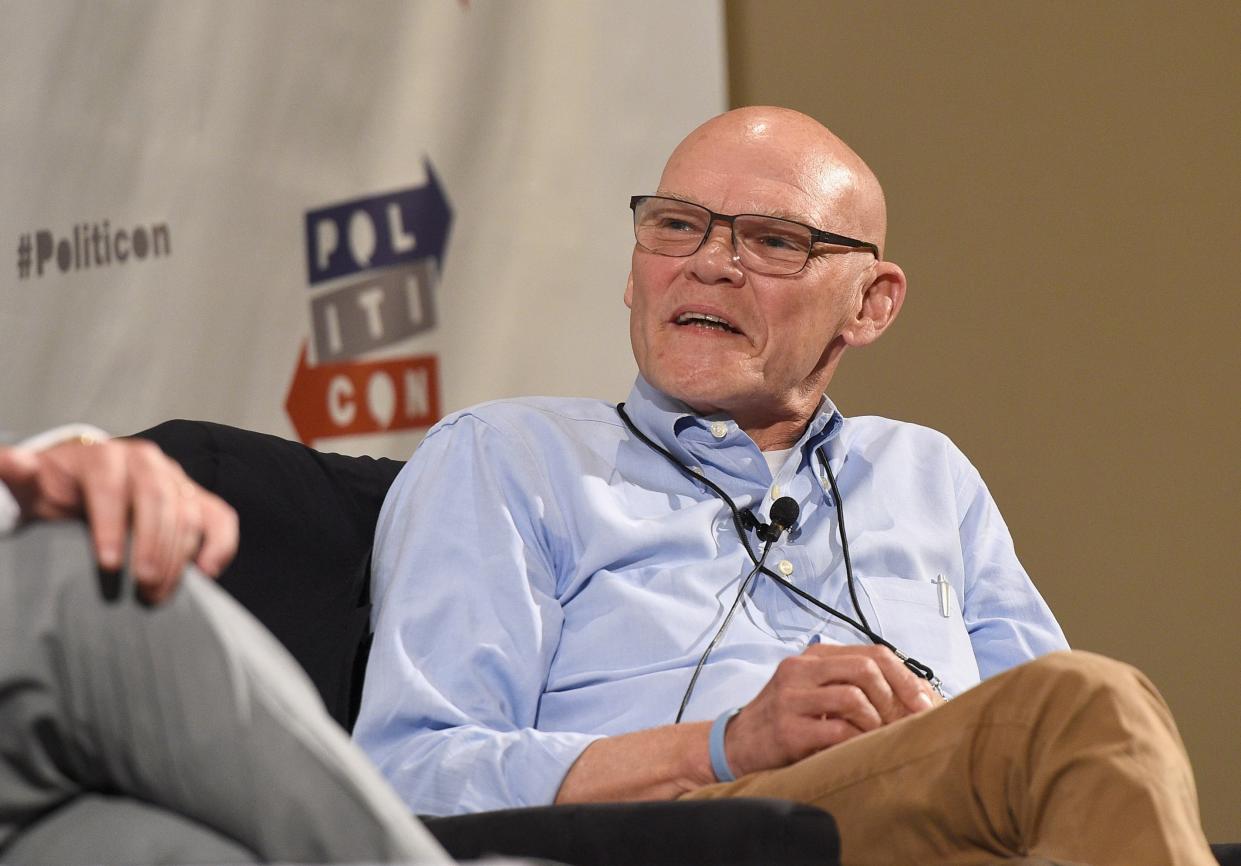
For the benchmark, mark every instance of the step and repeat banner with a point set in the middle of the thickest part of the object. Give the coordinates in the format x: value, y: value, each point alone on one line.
x: 330, y: 221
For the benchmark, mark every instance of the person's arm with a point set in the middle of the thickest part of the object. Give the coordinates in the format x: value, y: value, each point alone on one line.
x: 822, y: 697
x: 467, y: 623
x: 122, y: 486
x: 1008, y: 621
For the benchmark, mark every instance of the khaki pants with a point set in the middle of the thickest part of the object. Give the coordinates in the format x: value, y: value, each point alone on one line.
x: 1071, y: 757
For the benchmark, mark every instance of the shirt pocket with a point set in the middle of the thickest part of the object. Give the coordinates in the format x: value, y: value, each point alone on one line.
x: 907, y: 614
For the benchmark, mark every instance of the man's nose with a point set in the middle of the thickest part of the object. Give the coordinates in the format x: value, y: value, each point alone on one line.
x: 721, y: 233
x: 717, y: 259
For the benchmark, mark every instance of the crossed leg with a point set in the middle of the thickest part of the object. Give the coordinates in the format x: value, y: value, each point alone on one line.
x: 185, y: 730
x: 1071, y: 757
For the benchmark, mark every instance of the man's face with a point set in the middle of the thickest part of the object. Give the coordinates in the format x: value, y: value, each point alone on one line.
x: 773, y: 358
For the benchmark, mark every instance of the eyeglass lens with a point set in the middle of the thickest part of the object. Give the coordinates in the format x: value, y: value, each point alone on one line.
x: 676, y: 228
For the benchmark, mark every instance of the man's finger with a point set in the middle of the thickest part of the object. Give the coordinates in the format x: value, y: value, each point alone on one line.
x: 155, y: 502
x: 842, y: 701
x: 908, y: 686
x: 190, y: 527
x: 186, y: 531
x: 17, y: 467
x: 104, y: 491
x: 822, y: 667
x: 219, y: 535
x: 834, y: 730
x: 183, y: 541
x: 893, y: 688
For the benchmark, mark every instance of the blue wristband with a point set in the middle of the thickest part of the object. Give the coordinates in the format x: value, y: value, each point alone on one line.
x: 719, y: 761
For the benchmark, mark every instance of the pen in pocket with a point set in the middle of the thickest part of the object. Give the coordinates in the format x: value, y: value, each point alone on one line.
x: 945, y: 598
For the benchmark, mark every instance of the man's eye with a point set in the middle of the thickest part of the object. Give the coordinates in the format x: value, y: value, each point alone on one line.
x: 677, y: 220
x: 677, y: 225
x: 779, y: 242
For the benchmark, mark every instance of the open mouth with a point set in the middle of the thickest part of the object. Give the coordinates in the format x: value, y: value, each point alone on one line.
x: 704, y: 320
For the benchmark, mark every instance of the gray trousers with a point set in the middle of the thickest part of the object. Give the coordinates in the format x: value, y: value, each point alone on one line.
x: 182, y: 733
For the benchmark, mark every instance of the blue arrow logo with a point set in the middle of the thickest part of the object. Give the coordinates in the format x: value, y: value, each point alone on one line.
x: 378, y: 231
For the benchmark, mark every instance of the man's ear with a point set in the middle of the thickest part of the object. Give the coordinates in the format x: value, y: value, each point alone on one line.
x: 881, y: 301
x: 629, y: 292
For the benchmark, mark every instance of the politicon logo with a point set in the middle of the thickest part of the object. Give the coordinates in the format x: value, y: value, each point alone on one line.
x: 373, y: 268
x: 89, y: 246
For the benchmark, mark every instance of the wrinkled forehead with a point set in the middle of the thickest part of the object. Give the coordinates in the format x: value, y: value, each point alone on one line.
x: 767, y: 175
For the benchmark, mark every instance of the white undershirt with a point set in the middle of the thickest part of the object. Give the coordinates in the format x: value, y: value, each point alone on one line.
x: 776, y: 459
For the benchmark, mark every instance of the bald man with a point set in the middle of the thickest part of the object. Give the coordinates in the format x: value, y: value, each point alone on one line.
x: 580, y: 601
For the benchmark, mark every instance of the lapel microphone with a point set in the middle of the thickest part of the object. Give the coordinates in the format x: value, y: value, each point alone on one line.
x: 784, y: 513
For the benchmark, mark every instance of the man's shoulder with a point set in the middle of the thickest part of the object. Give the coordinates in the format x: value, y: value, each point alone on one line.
x: 910, y: 451
x: 534, y: 417
x: 867, y: 432
x: 878, y: 426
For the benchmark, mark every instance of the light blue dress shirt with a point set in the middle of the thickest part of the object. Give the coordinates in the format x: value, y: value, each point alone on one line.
x: 542, y: 579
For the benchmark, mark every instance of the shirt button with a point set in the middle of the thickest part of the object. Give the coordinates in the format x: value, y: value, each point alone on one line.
x: 786, y: 567
x: 775, y: 491
x: 719, y: 429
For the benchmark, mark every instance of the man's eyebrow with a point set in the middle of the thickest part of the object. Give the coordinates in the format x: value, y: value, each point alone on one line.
x: 784, y: 215
x: 663, y: 193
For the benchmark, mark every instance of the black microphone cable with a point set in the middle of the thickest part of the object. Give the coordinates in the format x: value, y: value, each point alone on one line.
x: 918, y: 668
x: 719, y: 633
x: 784, y: 512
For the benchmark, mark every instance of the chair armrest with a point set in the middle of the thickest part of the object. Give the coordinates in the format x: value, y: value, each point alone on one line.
x: 1227, y: 854
x: 736, y: 832
x: 307, y: 525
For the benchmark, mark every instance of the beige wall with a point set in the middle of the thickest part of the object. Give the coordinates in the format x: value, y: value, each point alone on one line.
x: 1065, y: 195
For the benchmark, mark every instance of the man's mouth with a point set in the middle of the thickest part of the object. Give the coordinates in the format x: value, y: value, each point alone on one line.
x: 705, y: 320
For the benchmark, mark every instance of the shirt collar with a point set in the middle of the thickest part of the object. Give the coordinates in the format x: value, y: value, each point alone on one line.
x: 665, y: 418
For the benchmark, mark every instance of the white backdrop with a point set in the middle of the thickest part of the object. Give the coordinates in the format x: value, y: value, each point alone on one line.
x: 428, y: 198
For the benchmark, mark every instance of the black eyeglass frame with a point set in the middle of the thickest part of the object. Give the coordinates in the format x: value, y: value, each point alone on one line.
x: 817, y: 236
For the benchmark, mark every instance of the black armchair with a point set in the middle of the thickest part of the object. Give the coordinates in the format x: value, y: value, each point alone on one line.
x: 303, y: 569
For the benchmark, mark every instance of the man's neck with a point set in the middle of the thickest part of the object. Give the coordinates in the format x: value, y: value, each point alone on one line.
x: 773, y: 431
x: 777, y: 436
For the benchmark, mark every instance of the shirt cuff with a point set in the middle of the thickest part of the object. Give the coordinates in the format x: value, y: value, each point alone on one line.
x: 9, y: 512
x: 63, y: 433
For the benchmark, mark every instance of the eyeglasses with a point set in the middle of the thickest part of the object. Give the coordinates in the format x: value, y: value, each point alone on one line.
x: 763, y: 244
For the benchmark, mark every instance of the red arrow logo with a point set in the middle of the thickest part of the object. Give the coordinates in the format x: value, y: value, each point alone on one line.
x: 350, y: 399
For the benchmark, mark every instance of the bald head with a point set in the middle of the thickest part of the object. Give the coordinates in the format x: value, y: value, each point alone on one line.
x: 783, y: 147
x: 722, y: 336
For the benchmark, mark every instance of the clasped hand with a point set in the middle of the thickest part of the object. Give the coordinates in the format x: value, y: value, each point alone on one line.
x: 824, y: 696
x: 120, y: 486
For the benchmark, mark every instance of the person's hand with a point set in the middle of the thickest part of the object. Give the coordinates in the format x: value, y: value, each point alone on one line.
x: 824, y: 696
x: 122, y: 485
